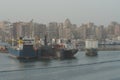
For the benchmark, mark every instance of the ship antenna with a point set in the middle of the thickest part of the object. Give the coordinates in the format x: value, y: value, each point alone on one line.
x: 32, y: 28
x: 45, y: 41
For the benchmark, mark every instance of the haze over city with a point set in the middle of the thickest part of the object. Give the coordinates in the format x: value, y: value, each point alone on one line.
x: 101, y: 12
x: 59, y: 40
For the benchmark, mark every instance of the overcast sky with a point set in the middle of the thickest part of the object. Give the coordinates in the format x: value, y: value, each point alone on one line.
x: 44, y: 11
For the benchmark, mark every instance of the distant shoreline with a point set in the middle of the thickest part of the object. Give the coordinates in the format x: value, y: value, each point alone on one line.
x: 104, y: 49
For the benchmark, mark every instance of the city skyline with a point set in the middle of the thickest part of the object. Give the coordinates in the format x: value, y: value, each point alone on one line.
x: 101, y: 12
x: 34, y: 21
x: 66, y: 30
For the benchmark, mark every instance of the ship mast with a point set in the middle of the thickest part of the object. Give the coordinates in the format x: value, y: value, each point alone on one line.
x: 31, y: 28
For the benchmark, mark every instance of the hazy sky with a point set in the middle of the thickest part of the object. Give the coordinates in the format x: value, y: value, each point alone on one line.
x: 44, y: 11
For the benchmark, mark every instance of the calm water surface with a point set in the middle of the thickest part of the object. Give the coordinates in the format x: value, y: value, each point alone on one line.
x: 106, y: 66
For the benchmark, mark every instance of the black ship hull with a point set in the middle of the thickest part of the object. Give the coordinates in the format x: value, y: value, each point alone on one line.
x: 63, y: 53
x: 91, y: 52
x: 49, y: 52
x: 68, y: 53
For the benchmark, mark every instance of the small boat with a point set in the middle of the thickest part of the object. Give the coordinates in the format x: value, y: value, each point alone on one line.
x: 3, y: 47
x: 91, y: 47
x: 3, y: 50
x: 24, y: 49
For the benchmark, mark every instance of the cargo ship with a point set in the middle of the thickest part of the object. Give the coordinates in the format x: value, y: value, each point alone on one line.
x: 65, y: 53
x: 45, y: 50
x: 65, y: 49
x: 57, y: 49
x: 24, y: 48
x: 27, y: 48
x: 49, y: 51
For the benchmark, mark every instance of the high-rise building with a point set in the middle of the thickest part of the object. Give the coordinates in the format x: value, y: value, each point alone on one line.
x: 60, y: 30
x: 83, y: 31
x: 40, y: 30
x: 17, y: 30
x: 74, y: 30
x: 53, y: 30
x: 87, y: 31
x: 5, y: 27
x: 91, y: 28
x: 117, y: 30
x: 67, y: 29
x: 67, y: 23
x: 21, y: 29
x: 111, y: 30
x: 100, y: 33
x: 1, y: 24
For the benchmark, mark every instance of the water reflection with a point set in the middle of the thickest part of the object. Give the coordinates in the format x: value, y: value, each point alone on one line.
x: 69, y: 60
x: 105, y: 65
x: 33, y: 63
x: 92, y: 59
x: 10, y: 63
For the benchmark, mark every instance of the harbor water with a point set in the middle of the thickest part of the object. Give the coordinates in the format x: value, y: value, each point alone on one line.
x: 105, y: 66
